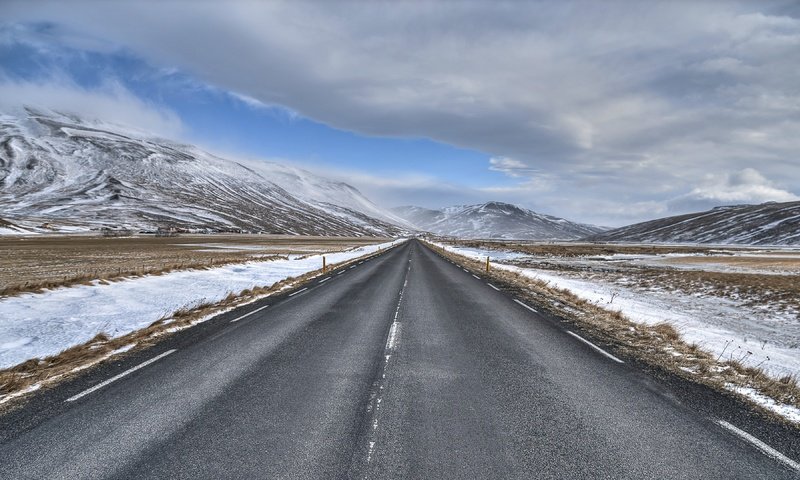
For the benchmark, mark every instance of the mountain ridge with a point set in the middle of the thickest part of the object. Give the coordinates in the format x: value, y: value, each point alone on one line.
x: 75, y: 174
x: 769, y: 223
x: 494, y: 220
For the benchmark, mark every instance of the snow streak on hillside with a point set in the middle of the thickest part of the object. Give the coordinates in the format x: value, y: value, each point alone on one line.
x: 766, y: 224
x: 66, y: 173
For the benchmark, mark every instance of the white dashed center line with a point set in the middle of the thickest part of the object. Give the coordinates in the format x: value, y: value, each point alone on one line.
x: 375, y: 397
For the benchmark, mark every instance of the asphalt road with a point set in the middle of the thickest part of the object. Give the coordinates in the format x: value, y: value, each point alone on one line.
x: 405, y: 366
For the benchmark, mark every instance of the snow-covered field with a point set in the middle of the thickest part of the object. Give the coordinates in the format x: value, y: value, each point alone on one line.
x: 38, y: 325
x: 481, y: 254
x: 766, y: 262
x: 755, y: 335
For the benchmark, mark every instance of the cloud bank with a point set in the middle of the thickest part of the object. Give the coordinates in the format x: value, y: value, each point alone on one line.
x: 629, y: 106
x: 112, y: 103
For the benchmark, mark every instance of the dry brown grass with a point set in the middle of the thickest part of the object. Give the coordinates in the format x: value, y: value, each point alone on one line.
x: 573, y: 249
x: 50, y: 370
x: 35, y: 263
x: 787, y: 261
x: 665, y: 330
x: 659, y: 345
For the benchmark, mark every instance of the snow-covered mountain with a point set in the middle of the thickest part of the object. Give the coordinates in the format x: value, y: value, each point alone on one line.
x: 70, y: 173
x: 765, y: 224
x: 494, y: 220
x: 323, y: 191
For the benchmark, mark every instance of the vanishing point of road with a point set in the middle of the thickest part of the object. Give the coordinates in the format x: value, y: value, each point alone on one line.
x: 402, y: 366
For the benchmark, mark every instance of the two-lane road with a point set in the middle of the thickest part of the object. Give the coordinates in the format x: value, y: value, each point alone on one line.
x: 402, y: 367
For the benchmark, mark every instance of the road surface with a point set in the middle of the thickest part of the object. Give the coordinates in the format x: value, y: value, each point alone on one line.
x: 405, y: 366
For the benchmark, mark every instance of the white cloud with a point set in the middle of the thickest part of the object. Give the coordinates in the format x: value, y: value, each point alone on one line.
x: 510, y: 167
x: 403, y: 188
x: 111, y: 103
x: 741, y: 187
x: 256, y: 104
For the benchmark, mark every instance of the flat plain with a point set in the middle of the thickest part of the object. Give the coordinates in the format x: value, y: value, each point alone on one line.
x: 31, y: 263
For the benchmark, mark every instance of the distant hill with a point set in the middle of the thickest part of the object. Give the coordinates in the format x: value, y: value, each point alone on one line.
x: 494, y: 220
x: 765, y: 224
x: 59, y: 172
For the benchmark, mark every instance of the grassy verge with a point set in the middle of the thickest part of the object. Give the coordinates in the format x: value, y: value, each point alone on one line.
x: 659, y: 345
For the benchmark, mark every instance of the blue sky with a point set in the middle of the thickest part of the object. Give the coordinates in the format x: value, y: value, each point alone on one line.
x: 229, y: 123
x: 601, y: 112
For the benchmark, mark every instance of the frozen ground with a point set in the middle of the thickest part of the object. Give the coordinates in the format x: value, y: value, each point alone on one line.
x: 721, y: 261
x: 38, y: 325
x: 494, y: 255
x: 756, y: 335
x: 280, y: 249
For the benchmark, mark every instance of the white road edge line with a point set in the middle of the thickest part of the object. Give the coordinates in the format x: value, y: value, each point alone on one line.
x: 324, y: 279
x: 493, y: 286
x: 587, y: 342
x: 299, y: 291
x: 248, y: 314
x: 341, y: 272
x: 117, y: 377
x: 476, y: 276
x: 765, y: 449
x: 523, y: 304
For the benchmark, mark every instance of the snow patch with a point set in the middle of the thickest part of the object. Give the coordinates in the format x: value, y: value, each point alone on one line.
x: 41, y: 324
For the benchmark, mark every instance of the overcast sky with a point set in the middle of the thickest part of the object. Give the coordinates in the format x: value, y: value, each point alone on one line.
x: 603, y: 112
